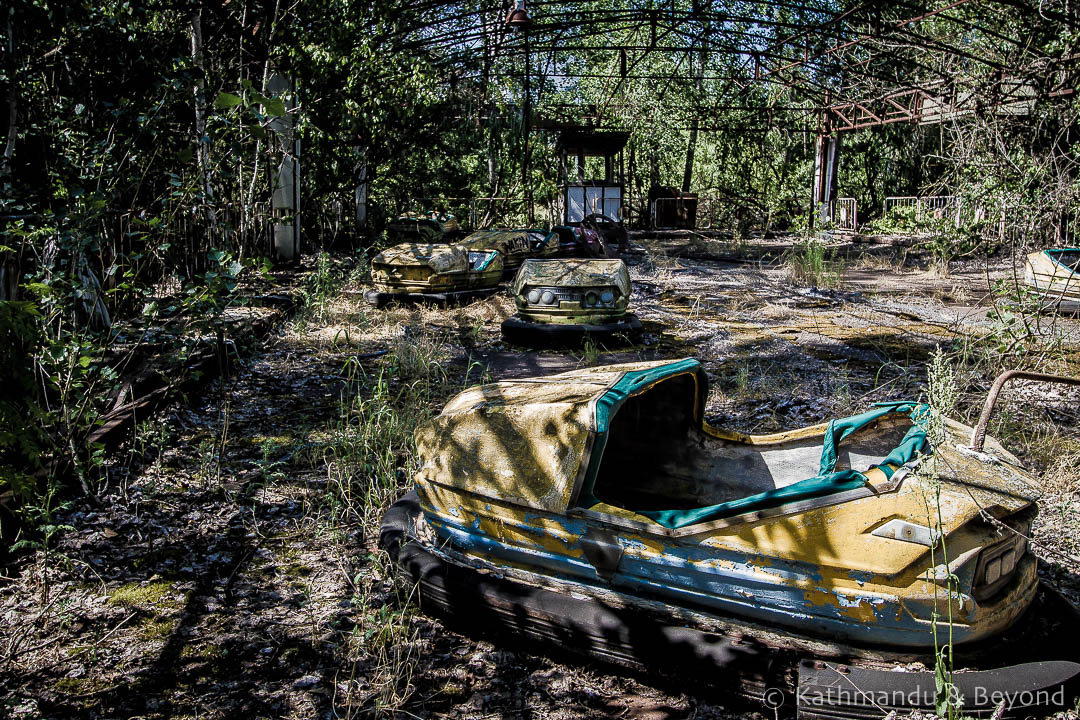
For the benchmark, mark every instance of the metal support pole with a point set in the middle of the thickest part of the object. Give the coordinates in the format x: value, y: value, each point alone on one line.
x: 978, y: 434
x: 526, y: 121
x: 815, y: 191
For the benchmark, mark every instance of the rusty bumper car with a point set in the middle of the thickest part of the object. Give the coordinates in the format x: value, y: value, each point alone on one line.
x: 1052, y: 276
x: 562, y: 302
x: 423, y: 227
x: 515, y: 246
x: 820, y: 569
x: 433, y: 272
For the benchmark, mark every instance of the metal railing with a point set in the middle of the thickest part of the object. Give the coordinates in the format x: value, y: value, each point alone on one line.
x: 941, y: 207
x: 846, y: 213
x: 892, y: 204
x: 938, y: 207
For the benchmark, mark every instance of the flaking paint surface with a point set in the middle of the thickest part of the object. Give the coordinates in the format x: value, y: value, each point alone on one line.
x: 1050, y: 278
x: 441, y: 258
x: 821, y: 564
x: 573, y: 273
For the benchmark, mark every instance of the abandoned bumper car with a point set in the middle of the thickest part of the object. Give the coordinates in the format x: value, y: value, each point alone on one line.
x: 515, y: 246
x: 455, y: 272
x: 1052, y: 276
x: 817, y: 569
x: 564, y: 301
x: 423, y: 227
x: 435, y: 272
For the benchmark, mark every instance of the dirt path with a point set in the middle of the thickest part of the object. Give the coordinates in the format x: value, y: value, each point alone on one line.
x: 230, y: 568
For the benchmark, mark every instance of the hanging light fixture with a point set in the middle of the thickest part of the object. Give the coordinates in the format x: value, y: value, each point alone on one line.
x: 519, y: 16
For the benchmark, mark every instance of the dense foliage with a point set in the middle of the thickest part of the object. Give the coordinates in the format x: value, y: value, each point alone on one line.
x: 142, y: 141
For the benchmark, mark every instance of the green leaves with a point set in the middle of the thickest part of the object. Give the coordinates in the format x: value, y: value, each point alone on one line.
x: 274, y: 107
x: 946, y: 702
x: 226, y: 100
x: 218, y: 284
x: 270, y: 106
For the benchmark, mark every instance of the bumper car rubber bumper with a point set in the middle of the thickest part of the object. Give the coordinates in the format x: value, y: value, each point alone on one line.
x: 381, y: 299
x: 782, y: 679
x: 519, y: 331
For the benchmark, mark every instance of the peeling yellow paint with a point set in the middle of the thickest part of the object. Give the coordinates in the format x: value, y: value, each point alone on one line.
x: 505, y: 460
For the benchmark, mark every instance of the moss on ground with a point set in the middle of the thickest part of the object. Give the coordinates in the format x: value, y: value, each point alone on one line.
x: 157, y: 628
x: 81, y: 685
x: 206, y: 651
x: 158, y: 595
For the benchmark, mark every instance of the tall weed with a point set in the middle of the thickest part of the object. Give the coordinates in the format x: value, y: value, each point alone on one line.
x: 807, y: 264
x: 320, y: 290
x: 942, y: 397
x: 369, y: 456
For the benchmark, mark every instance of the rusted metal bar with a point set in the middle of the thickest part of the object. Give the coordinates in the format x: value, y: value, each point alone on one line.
x: 978, y: 435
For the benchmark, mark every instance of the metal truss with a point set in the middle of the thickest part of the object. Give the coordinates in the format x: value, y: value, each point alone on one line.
x: 854, y: 66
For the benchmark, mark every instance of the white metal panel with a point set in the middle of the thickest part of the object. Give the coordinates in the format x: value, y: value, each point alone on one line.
x: 575, y: 204
x: 612, y: 202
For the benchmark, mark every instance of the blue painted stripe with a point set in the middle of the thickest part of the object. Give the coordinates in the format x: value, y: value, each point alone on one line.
x: 679, y: 578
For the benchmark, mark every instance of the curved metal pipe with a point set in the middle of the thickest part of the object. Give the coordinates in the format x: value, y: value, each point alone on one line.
x: 978, y: 434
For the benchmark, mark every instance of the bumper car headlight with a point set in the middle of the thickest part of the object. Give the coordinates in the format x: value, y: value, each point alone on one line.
x: 997, y: 565
x: 993, y: 572
x: 533, y: 297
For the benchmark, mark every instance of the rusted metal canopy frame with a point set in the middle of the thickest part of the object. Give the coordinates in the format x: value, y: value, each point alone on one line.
x: 631, y: 16
x: 583, y: 18
x: 978, y: 434
x: 821, y: 29
x: 733, y: 30
x: 812, y: 87
x: 557, y: 27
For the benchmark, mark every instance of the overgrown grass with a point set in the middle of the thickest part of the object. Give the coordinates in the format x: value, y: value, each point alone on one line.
x: 417, y: 357
x: 368, y: 456
x: 655, y: 267
x: 807, y: 265
x: 383, y: 648
x: 1058, y: 524
x: 369, y: 459
x: 590, y: 352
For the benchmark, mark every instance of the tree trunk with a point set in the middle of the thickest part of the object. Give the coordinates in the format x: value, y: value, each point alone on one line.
x: 689, y: 169
x: 202, y: 147
x: 13, y: 106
